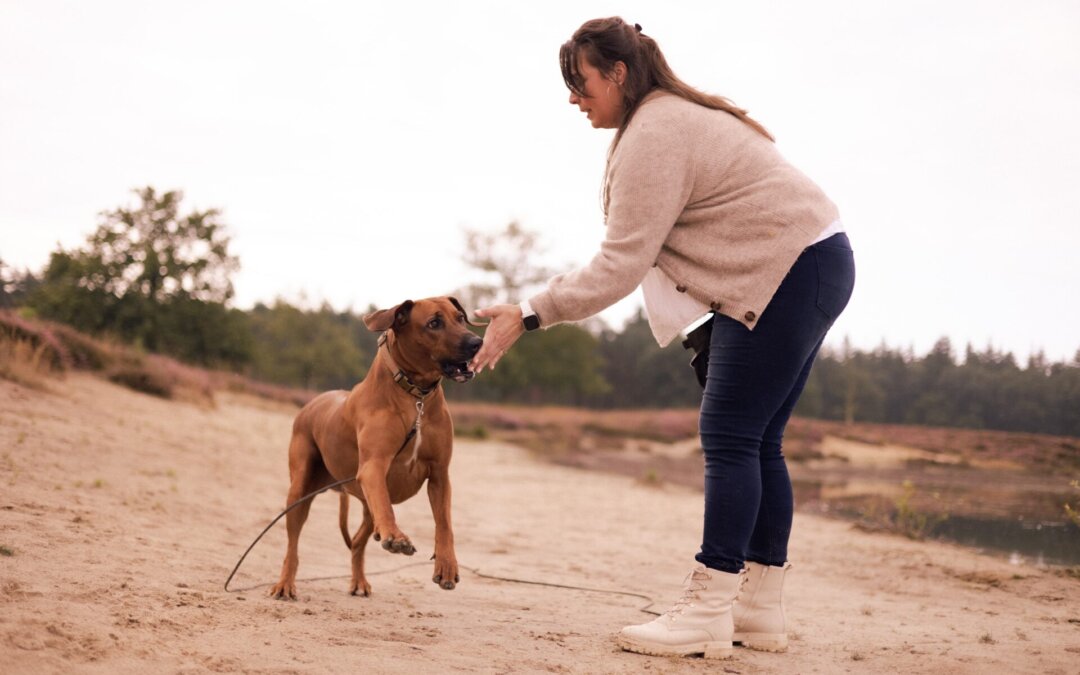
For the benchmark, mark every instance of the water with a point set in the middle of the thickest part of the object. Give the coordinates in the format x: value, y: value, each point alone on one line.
x: 1022, y: 541
x: 1023, y: 525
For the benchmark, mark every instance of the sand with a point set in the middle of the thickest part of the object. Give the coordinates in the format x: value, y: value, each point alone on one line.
x: 122, y: 514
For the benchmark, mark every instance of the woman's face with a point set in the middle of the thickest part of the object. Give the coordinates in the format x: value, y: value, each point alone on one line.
x: 602, y: 102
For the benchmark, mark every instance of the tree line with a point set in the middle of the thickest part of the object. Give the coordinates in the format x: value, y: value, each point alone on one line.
x: 160, y: 279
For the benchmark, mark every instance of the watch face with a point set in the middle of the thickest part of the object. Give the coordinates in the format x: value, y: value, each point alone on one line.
x: 531, y: 322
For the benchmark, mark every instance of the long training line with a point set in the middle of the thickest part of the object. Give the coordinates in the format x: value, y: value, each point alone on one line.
x: 475, y: 571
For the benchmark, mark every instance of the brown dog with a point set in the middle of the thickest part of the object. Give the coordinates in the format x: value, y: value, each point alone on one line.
x: 392, y: 431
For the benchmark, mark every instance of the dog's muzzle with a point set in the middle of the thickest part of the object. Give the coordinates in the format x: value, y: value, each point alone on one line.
x: 458, y: 369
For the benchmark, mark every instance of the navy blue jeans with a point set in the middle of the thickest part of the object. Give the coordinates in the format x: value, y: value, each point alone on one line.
x: 754, y: 380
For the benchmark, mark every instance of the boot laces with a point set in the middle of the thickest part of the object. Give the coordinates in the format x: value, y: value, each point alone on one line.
x: 693, y: 583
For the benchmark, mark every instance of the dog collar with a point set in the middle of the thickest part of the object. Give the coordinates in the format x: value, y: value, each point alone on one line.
x: 401, y: 379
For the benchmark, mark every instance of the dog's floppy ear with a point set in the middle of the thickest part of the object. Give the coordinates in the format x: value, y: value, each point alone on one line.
x: 389, y: 318
x: 462, y: 310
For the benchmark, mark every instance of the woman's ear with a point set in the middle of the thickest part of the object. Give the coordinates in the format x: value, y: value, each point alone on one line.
x: 618, y: 73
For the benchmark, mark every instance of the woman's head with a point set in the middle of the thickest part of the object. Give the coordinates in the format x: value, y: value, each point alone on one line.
x: 602, y: 65
x: 599, y: 94
x: 609, y: 66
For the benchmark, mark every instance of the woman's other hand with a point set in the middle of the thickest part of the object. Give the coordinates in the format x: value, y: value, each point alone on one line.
x: 502, y: 332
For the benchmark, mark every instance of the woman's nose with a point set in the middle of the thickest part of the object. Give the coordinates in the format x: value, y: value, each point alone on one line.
x: 574, y: 98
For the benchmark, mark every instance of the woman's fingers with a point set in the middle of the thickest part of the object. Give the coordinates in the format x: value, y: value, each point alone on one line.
x: 502, y: 332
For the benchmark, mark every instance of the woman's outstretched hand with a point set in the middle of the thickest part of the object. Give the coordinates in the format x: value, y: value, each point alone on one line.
x: 502, y: 332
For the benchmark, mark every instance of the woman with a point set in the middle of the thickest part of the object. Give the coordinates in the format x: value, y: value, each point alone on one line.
x: 705, y: 214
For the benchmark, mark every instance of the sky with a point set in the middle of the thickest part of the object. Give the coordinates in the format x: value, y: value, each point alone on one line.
x: 348, y: 144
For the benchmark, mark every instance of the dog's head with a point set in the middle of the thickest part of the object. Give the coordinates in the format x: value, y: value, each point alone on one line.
x: 431, y: 335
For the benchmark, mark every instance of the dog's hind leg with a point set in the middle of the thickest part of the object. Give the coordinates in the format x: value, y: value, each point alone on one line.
x: 343, y: 518
x: 360, y: 585
x: 305, y: 469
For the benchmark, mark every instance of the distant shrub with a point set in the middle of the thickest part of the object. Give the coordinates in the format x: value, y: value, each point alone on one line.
x: 477, y: 431
x: 1071, y: 513
x: 24, y: 362
x: 140, y: 378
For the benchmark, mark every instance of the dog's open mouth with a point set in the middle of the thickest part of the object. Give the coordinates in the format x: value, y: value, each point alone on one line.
x: 458, y: 371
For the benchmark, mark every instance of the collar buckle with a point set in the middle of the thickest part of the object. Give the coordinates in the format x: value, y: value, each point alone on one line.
x: 401, y: 378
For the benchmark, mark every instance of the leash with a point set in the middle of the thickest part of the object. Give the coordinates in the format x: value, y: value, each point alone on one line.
x: 604, y: 591
x: 266, y: 529
x: 408, y: 437
x: 403, y: 381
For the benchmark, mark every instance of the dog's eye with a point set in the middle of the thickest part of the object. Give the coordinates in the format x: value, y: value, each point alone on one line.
x: 435, y: 324
x: 461, y: 318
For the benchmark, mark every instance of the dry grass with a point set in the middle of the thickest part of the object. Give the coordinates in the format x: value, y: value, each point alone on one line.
x: 32, y: 351
x: 24, y: 362
x: 660, y: 425
x: 555, y: 431
x: 559, y: 430
x: 1073, y: 514
x: 1036, y: 452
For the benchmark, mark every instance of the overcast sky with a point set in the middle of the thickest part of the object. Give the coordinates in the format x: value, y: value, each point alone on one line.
x: 349, y: 143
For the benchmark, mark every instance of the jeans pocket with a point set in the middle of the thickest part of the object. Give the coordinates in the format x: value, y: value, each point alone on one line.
x: 836, y: 279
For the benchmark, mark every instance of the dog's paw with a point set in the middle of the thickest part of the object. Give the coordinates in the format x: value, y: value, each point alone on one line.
x: 446, y: 575
x: 361, y: 587
x: 399, y: 545
x: 283, y: 590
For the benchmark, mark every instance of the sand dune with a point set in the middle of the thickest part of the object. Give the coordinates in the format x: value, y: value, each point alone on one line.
x: 123, y: 514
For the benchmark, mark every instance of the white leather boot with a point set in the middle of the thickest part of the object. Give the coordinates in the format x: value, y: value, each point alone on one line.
x: 699, y: 622
x: 758, y: 613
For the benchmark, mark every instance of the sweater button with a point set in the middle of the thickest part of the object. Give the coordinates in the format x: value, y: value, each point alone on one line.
x: 750, y: 316
x: 681, y: 289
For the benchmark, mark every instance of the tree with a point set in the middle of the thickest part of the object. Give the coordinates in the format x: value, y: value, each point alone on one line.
x: 509, y: 263
x: 318, y: 349
x: 14, y: 286
x: 643, y: 375
x: 155, y: 253
x: 152, y: 276
x: 558, y: 365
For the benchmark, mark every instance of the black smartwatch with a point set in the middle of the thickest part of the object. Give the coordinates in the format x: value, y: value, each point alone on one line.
x: 531, y: 322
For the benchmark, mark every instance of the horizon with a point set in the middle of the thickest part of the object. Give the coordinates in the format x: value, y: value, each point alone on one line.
x: 332, y: 136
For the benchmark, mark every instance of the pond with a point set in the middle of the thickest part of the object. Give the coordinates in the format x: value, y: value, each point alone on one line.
x: 997, y: 515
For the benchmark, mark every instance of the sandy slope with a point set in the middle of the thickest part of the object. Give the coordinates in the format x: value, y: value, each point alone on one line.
x: 125, y: 513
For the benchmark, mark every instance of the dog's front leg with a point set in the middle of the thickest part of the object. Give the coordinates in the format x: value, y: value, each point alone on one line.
x: 446, y: 567
x: 372, y: 479
x: 360, y: 585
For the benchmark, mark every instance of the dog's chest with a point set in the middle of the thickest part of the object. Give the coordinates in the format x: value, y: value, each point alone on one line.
x: 405, y: 478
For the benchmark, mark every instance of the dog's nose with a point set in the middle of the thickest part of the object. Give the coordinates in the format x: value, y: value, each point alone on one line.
x: 471, y: 344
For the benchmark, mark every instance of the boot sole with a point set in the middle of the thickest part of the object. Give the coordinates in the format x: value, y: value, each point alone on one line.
x: 762, y: 642
x: 709, y: 650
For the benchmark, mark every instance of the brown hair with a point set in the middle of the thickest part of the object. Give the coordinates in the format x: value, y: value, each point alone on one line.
x: 604, y: 42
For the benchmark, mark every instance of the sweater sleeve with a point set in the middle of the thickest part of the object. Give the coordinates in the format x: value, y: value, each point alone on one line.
x: 651, y: 177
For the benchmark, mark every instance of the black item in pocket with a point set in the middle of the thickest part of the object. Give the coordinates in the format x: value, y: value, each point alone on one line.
x: 697, y: 341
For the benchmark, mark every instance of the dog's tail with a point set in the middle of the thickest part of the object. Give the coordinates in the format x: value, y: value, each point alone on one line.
x: 343, y: 518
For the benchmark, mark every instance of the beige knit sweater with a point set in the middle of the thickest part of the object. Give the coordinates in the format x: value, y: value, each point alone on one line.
x: 705, y: 197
